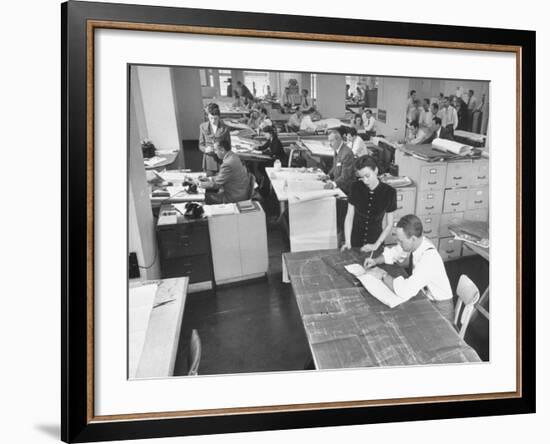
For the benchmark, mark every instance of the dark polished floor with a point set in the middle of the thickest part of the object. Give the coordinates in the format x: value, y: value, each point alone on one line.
x: 256, y: 326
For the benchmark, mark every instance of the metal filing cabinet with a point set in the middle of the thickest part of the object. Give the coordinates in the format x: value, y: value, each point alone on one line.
x: 184, y: 248
x: 406, y: 204
x: 447, y: 193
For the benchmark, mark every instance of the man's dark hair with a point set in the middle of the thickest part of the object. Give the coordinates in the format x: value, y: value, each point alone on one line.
x: 413, y: 91
x: 471, y: 92
x: 224, y: 143
x: 263, y: 111
x: 369, y: 111
x: 352, y: 131
x: 365, y: 161
x: 213, y: 109
x: 414, y: 123
x: 437, y: 120
x: 436, y: 106
x: 341, y: 131
x: 411, y: 225
x: 427, y: 101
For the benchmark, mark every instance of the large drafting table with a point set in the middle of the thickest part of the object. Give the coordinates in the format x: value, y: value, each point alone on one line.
x: 154, y: 323
x: 346, y: 327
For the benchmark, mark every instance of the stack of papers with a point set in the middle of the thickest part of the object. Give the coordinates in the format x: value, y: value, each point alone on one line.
x: 220, y: 210
x: 379, y: 290
x: 154, y: 161
x: 371, y: 279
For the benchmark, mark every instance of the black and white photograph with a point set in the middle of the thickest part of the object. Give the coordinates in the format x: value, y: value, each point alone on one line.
x: 285, y: 221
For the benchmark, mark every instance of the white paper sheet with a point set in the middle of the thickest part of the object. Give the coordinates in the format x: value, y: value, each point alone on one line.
x: 380, y: 290
x: 140, y: 301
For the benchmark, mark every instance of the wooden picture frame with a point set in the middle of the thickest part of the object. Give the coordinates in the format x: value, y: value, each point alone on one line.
x: 79, y: 22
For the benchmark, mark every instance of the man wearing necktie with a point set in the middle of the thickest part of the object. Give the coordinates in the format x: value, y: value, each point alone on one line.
x: 426, y: 269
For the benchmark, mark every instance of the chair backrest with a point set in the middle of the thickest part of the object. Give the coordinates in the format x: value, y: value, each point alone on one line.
x: 251, y: 185
x: 468, y: 295
x: 195, y: 350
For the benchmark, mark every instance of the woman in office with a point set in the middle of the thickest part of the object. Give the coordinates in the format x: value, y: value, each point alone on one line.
x: 371, y: 204
x: 357, y: 122
x: 273, y: 145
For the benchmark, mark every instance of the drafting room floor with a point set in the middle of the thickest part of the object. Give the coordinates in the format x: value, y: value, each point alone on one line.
x: 256, y: 327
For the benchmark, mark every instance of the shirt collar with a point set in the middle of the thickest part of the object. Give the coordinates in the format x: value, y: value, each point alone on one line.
x: 424, y: 245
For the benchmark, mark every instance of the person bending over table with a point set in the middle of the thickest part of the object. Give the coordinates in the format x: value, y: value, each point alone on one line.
x: 426, y: 269
x: 295, y: 120
x: 210, y: 132
x: 369, y: 122
x: 342, y: 173
x: 357, y: 144
x: 370, y: 203
x: 232, y: 183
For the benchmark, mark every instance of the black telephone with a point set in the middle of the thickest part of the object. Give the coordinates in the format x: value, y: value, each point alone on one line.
x: 193, y: 210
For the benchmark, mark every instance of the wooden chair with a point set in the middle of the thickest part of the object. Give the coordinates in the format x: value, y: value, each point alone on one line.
x: 468, y: 296
x: 195, y: 350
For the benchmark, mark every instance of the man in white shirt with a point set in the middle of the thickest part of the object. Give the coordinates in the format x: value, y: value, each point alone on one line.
x: 426, y: 270
x: 356, y: 143
x: 369, y: 122
x: 450, y: 116
x: 426, y: 115
x: 295, y: 121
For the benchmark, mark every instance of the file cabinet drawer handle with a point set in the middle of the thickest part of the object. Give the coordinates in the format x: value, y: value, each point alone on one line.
x: 400, y: 208
x: 429, y: 208
x: 449, y: 251
x: 432, y: 183
x: 482, y: 177
x: 427, y: 231
x: 457, y: 178
x: 454, y: 204
x: 478, y: 201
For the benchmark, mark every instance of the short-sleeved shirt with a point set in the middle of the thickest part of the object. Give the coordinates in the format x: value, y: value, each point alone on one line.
x: 370, y: 209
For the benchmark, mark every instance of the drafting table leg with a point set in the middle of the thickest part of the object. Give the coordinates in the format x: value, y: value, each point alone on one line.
x: 285, y: 279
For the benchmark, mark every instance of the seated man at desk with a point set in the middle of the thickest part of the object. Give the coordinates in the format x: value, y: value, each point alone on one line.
x: 369, y: 122
x: 232, y: 181
x: 356, y: 143
x: 438, y: 132
x: 295, y: 120
x: 342, y: 173
x: 426, y: 270
x: 415, y: 134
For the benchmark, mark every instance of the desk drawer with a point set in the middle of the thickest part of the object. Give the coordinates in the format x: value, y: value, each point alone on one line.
x: 405, y: 202
x: 183, y: 240
x: 480, y: 215
x: 449, y: 219
x: 480, y: 173
x: 432, y: 177
x: 197, y: 268
x: 429, y: 202
x: 449, y: 248
x: 430, y: 225
x: 478, y: 198
x: 459, y: 174
x: 455, y: 200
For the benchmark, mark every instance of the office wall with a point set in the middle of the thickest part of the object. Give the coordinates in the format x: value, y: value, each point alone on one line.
x: 392, y: 98
x: 186, y: 84
x: 158, y: 105
x: 141, y: 226
x: 331, y: 94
